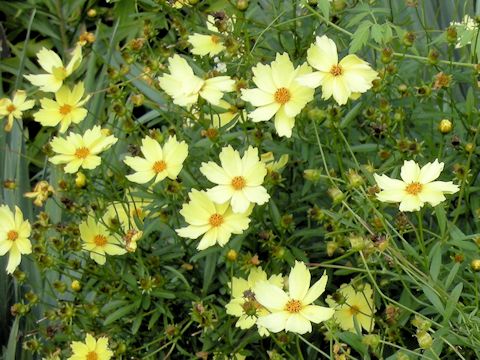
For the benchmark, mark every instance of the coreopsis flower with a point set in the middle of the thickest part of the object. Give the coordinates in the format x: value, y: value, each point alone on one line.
x: 124, y: 217
x: 292, y: 311
x: 243, y: 303
x: 278, y: 93
x: 347, y: 78
x: 65, y: 110
x: 81, y: 150
x: 41, y: 192
x: 185, y: 87
x: 271, y: 164
x: 352, y: 304
x: 216, y: 222
x: 158, y: 162
x: 417, y: 186
x: 13, y: 109
x: 14, y: 233
x: 56, y: 71
x: 211, y: 44
x: 91, y: 349
x: 239, y: 180
x: 99, y: 241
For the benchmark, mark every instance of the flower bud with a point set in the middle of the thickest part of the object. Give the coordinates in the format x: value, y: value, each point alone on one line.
x: 92, y: 13
x: 232, y: 255
x: 357, y: 242
x: 475, y: 264
x: 469, y: 147
x: 312, y: 175
x: 371, y: 340
x: 242, y: 5
x: 451, y: 35
x: 138, y: 99
x: 409, y: 38
x: 445, y: 126
x: 76, y: 286
x: 336, y: 195
x: 424, y: 340
x: 387, y: 55
x: 433, y: 56
x: 355, y: 180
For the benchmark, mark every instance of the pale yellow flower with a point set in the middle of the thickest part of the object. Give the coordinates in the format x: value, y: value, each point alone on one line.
x: 41, y: 192
x: 417, y: 186
x: 243, y: 303
x: 14, y: 233
x: 239, y: 179
x: 353, y: 304
x: 158, y: 162
x: 57, y: 72
x: 91, y: 350
x: 81, y: 150
x: 278, y: 93
x: 185, y: 87
x: 216, y: 222
x: 211, y: 44
x: 13, y: 109
x: 271, y: 164
x: 292, y: 311
x: 65, y: 110
x: 342, y: 80
x: 98, y: 240
x: 124, y: 217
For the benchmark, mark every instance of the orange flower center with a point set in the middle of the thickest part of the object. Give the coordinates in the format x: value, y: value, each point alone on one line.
x: 238, y: 182
x: 12, y: 235
x: 92, y: 355
x: 282, y: 95
x: 65, y: 109
x: 11, y: 108
x: 336, y: 70
x: 414, y: 188
x: 216, y: 220
x: 354, y: 310
x: 215, y: 39
x: 293, y: 306
x: 82, y: 152
x: 100, y: 240
x: 159, y: 166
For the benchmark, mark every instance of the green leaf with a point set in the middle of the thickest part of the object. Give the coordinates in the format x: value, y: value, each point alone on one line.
x: 12, y: 341
x: 377, y: 33
x: 435, y: 261
x: 441, y: 219
x: 452, y: 301
x: 434, y: 299
x: 324, y: 6
x: 451, y: 275
x: 360, y: 37
x: 121, y: 313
